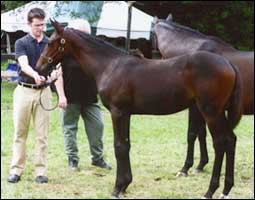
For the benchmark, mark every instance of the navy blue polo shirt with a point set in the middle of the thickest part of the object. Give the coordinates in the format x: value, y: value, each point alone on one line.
x: 29, y: 46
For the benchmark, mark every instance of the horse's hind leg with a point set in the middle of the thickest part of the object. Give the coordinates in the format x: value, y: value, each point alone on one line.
x: 223, y: 141
x: 196, y: 127
x: 230, y: 157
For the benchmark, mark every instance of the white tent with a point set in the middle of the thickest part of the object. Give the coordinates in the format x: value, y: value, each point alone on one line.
x: 112, y: 21
x: 114, y: 17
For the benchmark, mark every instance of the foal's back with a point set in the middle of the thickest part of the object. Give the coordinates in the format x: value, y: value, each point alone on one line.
x: 143, y: 86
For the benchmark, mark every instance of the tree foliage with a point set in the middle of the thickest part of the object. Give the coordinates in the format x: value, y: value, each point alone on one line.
x: 9, y: 5
x: 232, y: 21
x: 89, y: 10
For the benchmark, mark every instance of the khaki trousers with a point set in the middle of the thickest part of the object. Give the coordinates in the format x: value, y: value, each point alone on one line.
x: 26, y: 105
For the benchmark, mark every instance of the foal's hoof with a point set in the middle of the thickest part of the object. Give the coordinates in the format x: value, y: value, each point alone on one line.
x: 181, y: 174
x: 115, y: 194
x: 223, y: 196
x: 204, y: 197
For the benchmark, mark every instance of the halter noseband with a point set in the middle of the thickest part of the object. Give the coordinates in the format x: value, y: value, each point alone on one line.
x: 61, y: 48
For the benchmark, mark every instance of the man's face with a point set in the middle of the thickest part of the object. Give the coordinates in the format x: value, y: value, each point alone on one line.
x: 37, y: 26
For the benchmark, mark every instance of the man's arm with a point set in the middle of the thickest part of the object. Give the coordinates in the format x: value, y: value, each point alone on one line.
x: 21, y: 56
x: 60, y: 90
x: 25, y: 67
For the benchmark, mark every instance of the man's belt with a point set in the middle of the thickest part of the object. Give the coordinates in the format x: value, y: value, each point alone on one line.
x: 33, y: 86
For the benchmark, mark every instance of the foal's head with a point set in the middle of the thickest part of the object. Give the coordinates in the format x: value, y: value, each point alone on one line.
x: 66, y: 41
x: 55, y: 49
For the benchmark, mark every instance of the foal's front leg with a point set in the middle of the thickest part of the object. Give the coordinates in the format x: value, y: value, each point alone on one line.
x: 121, y: 124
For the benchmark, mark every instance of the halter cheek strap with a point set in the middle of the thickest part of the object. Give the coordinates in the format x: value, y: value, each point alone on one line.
x: 61, y: 48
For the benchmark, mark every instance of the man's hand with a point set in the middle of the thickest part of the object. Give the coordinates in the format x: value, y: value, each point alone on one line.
x: 62, y: 102
x: 54, y: 75
x: 39, y: 80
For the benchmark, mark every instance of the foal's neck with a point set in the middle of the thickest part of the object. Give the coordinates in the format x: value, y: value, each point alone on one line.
x: 93, y: 63
x: 94, y: 55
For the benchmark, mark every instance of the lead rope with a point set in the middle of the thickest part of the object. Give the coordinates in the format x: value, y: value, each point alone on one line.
x: 48, y: 83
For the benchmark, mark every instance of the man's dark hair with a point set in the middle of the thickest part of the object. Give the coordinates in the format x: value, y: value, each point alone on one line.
x: 35, y: 13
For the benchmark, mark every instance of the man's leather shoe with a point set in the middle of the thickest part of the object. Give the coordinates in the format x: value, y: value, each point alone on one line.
x: 41, y: 179
x: 13, y: 178
x: 101, y: 163
x: 73, y: 164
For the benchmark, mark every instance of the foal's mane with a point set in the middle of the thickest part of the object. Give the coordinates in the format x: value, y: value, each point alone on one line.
x: 192, y: 32
x: 100, y: 44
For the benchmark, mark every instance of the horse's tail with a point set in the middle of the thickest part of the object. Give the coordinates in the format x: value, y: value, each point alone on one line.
x: 235, y: 107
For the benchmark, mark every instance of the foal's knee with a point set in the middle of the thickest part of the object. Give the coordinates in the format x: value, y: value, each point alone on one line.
x: 230, y: 144
x: 219, y: 144
x: 231, y: 141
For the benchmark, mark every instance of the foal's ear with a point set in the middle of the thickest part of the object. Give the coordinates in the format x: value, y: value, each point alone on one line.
x: 169, y: 17
x: 58, y: 26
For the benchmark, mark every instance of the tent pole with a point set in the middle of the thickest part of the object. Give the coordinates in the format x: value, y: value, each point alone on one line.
x: 8, y: 49
x: 130, y: 4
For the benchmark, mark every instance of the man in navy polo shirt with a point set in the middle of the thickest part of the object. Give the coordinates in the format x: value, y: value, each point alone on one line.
x: 26, y: 101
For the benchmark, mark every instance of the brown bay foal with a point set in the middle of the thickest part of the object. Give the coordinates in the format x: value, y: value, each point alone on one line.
x: 130, y: 85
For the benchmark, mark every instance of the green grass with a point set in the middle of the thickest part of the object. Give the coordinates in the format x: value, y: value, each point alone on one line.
x: 158, y: 149
x: 3, y: 65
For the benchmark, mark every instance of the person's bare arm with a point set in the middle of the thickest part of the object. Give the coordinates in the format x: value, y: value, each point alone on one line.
x: 25, y: 67
x: 60, y: 90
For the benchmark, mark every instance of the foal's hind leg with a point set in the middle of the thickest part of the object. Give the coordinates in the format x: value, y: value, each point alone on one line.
x: 196, y: 127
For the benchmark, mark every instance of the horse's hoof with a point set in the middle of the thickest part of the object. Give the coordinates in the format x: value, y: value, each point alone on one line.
x: 198, y: 171
x: 115, y: 194
x: 223, y: 196
x: 204, y: 197
x: 181, y: 174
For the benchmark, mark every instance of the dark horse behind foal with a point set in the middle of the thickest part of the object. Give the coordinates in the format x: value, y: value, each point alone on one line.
x: 174, y: 40
x: 129, y: 85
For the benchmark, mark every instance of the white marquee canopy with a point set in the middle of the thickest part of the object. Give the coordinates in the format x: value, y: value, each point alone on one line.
x: 112, y: 22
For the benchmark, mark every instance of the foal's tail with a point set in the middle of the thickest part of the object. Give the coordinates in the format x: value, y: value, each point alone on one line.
x: 235, y: 107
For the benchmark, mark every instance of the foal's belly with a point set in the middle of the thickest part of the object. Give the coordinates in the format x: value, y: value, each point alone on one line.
x: 159, y: 110
x: 161, y: 104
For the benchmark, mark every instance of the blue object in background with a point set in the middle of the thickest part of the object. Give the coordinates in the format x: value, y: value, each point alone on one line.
x: 13, y: 67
